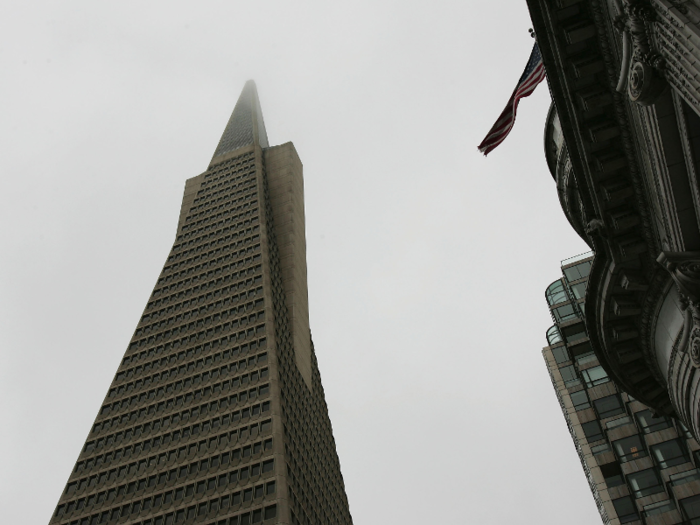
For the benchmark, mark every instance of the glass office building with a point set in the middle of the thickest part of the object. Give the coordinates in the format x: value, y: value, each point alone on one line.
x: 641, y: 467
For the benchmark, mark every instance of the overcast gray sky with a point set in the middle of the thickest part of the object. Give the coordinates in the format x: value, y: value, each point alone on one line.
x: 427, y: 263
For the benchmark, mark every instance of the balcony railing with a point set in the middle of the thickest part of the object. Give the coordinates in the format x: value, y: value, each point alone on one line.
x: 576, y: 258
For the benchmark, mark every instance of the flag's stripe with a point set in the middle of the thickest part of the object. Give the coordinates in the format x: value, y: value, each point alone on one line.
x: 534, y: 74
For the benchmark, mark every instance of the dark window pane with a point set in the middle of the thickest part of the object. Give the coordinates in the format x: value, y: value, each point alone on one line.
x: 560, y: 354
x: 649, y: 423
x: 644, y: 483
x: 564, y: 313
x: 579, y: 290
x: 691, y: 507
x: 574, y: 273
x: 626, y: 509
x: 612, y: 474
x: 609, y: 406
x: 568, y: 374
x: 658, y: 508
x: 629, y: 448
x: 669, y: 453
x: 574, y: 332
x: 580, y: 400
x: 270, y: 512
x: 592, y: 431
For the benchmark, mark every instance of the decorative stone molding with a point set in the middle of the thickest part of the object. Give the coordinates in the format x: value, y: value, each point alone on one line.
x: 642, y: 70
x: 684, y: 268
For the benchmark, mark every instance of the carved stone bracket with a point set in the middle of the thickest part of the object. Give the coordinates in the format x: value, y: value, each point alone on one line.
x: 684, y: 268
x: 642, y: 71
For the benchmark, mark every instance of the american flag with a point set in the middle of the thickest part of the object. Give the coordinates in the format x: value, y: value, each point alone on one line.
x: 533, y: 75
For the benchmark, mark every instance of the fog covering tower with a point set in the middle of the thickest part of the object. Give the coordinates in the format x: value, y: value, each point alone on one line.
x: 216, y: 414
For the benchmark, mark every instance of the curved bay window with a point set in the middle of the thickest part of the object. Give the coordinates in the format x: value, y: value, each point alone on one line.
x: 553, y: 336
x: 556, y: 293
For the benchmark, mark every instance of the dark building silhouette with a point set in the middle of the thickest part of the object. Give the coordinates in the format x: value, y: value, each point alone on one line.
x: 640, y: 466
x: 623, y: 145
x: 216, y: 414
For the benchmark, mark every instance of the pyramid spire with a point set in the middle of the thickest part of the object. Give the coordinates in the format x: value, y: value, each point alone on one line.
x: 246, y: 126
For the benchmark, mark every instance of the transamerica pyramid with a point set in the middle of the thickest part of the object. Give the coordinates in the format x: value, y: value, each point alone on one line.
x: 216, y: 414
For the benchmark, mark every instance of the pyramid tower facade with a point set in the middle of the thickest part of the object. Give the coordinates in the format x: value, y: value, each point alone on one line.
x: 217, y: 414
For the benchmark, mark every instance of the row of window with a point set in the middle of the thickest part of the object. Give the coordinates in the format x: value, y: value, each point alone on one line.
x: 199, y: 314
x: 192, y: 469
x: 166, y: 406
x: 204, y: 298
x: 239, y: 434
x: 210, y: 507
x: 194, y: 351
x: 225, y: 221
x: 247, y: 189
x: 152, y: 394
x: 216, y: 318
x: 612, y: 405
x: 227, y: 168
x: 627, y: 510
x: 593, y: 376
x: 230, y: 240
x: 231, y: 208
x: 240, y: 220
x: 247, y: 518
x: 242, y: 179
x: 240, y: 259
x: 224, y: 195
x: 173, y: 419
x: 187, y: 415
x: 203, y: 334
x: 666, y: 454
x: 210, y: 256
x: 625, y: 507
x: 204, y: 362
x: 224, y: 169
x: 229, y: 353
x: 190, y: 305
x: 213, y: 232
x: 188, y: 287
x: 223, y: 202
x: 207, y: 280
x: 171, y: 374
x: 229, y: 384
x: 209, y: 445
